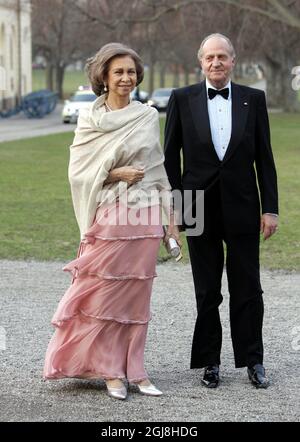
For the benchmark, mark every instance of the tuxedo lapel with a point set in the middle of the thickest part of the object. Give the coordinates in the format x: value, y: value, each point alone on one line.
x: 198, y: 107
x: 240, y: 109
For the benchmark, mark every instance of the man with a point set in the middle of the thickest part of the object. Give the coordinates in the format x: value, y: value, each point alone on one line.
x: 223, y: 131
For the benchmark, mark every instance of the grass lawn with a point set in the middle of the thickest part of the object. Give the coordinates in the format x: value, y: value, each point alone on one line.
x: 37, y: 220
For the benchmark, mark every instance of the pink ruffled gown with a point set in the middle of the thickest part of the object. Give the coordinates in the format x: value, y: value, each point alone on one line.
x: 101, y: 322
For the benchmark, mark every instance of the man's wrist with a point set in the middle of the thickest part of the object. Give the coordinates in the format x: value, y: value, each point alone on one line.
x: 272, y: 214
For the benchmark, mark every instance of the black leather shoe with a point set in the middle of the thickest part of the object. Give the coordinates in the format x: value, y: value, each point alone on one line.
x: 257, y: 376
x: 211, y: 376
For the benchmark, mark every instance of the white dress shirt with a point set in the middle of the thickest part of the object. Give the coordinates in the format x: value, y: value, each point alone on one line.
x: 219, y: 112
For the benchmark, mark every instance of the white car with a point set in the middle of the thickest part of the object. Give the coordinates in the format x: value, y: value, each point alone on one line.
x: 139, y: 95
x: 80, y: 100
x: 160, y: 98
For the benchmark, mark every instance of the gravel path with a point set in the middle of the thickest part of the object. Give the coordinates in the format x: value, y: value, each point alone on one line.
x: 28, y: 301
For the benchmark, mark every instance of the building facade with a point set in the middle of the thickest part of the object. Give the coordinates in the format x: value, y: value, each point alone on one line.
x: 15, y: 51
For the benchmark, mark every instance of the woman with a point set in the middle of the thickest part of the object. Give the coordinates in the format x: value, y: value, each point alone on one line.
x: 116, y: 166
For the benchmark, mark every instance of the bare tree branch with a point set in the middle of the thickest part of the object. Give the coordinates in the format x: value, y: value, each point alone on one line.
x: 289, y: 18
x: 278, y: 12
x: 282, y: 14
x: 164, y: 10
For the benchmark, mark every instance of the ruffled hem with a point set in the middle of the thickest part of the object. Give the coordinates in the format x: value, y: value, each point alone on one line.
x: 124, y: 238
x: 113, y: 222
x: 126, y: 301
x: 60, y: 322
x: 120, y: 320
x: 108, y: 259
x: 76, y: 274
x: 89, y: 348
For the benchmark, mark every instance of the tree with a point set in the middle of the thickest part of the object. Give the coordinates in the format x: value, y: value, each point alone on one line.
x: 61, y: 35
x: 167, y: 33
x: 279, y: 62
x: 276, y: 43
x: 283, y: 11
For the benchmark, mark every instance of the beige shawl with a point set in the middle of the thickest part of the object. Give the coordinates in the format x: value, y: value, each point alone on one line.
x: 107, y: 140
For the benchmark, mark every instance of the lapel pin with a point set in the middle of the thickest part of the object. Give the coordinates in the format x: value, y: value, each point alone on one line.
x: 245, y: 104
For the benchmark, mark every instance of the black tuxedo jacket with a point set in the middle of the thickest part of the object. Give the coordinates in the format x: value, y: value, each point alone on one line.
x: 248, y: 159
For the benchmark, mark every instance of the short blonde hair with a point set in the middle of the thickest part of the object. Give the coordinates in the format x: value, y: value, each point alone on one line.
x: 97, y: 66
x: 231, y: 48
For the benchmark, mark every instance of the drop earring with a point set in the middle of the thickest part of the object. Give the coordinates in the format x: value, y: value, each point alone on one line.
x: 105, y: 88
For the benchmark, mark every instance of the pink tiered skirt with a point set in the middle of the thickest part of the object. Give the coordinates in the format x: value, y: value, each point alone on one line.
x: 101, y: 321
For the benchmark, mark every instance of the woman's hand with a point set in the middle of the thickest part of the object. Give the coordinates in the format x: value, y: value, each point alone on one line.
x: 129, y: 174
x: 173, y: 232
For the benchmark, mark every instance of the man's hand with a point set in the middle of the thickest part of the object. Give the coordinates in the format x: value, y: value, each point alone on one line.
x: 268, y: 225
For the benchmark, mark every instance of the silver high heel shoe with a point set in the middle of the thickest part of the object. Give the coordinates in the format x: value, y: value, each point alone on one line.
x: 149, y: 390
x: 117, y: 392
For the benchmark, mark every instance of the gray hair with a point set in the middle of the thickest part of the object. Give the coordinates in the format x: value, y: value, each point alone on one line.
x: 231, y: 48
x: 97, y: 66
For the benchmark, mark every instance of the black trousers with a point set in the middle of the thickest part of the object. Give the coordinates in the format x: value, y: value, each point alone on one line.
x: 246, y: 303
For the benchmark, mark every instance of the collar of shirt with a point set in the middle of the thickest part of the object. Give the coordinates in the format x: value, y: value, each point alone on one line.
x: 211, y: 86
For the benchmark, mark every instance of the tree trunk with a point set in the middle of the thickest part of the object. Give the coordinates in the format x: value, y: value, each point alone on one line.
x: 238, y: 71
x: 176, y: 76
x: 186, y: 76
x: 162, y: 75
x: 289, y: 96
x: 49, y: 76
x: 280, y: 93
x: 60, y: 71
x: 273, y: 79
x: 198, y: 74
x: 151, y: 78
